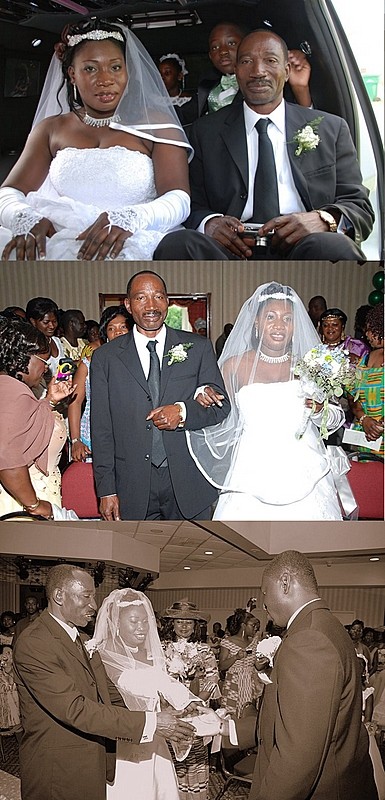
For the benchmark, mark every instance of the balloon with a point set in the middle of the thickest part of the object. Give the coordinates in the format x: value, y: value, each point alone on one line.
x: 375, y: 298
x: 378, y: 280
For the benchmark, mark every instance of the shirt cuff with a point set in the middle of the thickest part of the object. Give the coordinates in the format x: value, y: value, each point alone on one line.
x: 201, y: 227
x: 233, y: 733
x: 149, y: 727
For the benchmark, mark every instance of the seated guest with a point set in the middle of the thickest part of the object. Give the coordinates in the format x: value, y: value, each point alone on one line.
x: 32, y: 432
x: 173, y: 71
x: 290, y: 169
x: 332, y: 332
x: 101, y: 175
x: 113, y: 323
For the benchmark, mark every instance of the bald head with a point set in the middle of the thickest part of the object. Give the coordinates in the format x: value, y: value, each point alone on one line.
x: 288, y: 583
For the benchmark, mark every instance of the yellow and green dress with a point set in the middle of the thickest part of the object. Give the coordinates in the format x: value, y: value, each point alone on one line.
x: 371, y: 395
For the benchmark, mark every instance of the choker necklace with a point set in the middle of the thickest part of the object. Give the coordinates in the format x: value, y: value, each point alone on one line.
x: 274, y: 359
x: 99, y: 122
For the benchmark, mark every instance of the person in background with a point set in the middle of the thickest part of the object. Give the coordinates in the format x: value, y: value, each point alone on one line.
x: 9, y: 700
x: 43, y: 314
x: 113, y: 323
x: 192, y: 662
x: 332, y: 324
x: 368, y: 406
x: 356, y: 631
x: 92, y: 330
x: 316, y: 306
x: 173, y: 71
x: 12, y: 311
x: 7, y: 627
x: 371, y: 727
x: 360, y: 322
x: 238, y: 650
x: 32, y: 611
x: 73, y: 325
x: 220, y: 342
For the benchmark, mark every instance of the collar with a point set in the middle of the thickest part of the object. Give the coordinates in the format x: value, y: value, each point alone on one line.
x: 142, y: 340
x: 293, y: 616
x: 70, y: 629
x: 277, y: 117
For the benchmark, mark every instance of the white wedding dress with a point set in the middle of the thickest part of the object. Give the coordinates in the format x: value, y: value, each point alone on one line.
x: 275, y: 475
x: 82, y: 183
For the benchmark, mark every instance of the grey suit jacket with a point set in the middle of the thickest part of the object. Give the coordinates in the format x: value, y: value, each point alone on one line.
x: 122, y: 438
x: 326, y: 177
x: 66, y: 712
x: 312, y: 744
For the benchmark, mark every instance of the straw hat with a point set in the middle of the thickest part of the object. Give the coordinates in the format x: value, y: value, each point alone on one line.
x: 183, y: 609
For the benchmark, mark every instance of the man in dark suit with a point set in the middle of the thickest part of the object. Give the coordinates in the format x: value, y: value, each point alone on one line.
x: 311, y: 740
x: 68, y: 705
x: 142, y: 466
x: 322, y: 210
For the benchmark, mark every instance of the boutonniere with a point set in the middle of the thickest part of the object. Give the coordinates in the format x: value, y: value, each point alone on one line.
x: 178, y: 353
x: 91, y: 645
x: 307, y: 137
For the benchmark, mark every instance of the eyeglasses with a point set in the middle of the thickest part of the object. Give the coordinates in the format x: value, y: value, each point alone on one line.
x: 41, y: 359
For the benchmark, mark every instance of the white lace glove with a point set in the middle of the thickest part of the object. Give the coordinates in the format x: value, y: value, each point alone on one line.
x: 15, y: 213
x: 162, y: 214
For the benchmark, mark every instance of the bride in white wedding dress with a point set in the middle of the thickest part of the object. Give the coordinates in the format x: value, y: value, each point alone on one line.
x: 104, y: 172
x: 265, y: 471
x: 126, y: 637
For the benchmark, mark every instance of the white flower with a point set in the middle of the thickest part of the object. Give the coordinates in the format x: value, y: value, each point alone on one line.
x: 178, y: 353
x: 90, y: 645
x: 307, y: 137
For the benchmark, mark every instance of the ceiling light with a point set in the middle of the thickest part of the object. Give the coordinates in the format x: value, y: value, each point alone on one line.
x: 208, y: 552
x: 35, y: 42
x: 186, y: 567
x: 164, y: 19
x: 374, y: 558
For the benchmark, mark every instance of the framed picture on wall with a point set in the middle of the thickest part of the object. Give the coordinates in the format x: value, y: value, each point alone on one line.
x: 22, y: 77
x: 188, y: 312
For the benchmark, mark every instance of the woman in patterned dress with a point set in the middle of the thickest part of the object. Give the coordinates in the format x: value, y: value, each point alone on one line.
x: 368, y: 408
x: 193, y: 663
x: 241, y: 687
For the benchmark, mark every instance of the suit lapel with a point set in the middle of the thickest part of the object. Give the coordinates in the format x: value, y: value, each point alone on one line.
x: 234, y: 137
x: 294, y: 121
x: 128, y: 355
x: 172, y: 338
x: 65, y: 640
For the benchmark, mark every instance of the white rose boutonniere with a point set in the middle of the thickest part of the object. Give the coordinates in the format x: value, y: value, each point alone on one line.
x: 307, y: 137
x: 91, y: 645
x: 178, y: 353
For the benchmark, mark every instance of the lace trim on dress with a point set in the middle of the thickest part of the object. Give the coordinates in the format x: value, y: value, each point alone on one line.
x: 24, y: 221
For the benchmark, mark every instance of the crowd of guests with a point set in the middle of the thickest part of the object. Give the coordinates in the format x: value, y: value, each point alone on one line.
x: 45, y: 359
x: 140, y: 136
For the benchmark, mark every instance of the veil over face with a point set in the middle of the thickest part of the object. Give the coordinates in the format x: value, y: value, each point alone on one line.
x: 145, y: 109
x: 272, y: 332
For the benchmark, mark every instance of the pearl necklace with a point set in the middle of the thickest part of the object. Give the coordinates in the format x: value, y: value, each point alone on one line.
x: 99, y: 122
x: 274, y: 359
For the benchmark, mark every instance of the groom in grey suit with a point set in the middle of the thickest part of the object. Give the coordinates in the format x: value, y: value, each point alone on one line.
x: 142, y: 466
x: 323, y: 210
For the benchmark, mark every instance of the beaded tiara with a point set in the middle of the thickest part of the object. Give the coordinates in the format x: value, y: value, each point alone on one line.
x: 95, y: 36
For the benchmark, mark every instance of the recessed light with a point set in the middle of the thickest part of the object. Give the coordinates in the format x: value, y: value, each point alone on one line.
x: 35, y: 42
x: 375, y: 558
x: 208, y: 552
x: 186, y: 567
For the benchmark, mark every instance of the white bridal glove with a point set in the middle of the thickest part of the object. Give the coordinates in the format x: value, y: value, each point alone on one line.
x: 15, y: 213
x: 162, y: 214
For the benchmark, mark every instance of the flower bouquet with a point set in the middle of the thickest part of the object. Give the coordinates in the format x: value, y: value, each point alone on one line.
x: 181, y: 659
x: 323, y: 374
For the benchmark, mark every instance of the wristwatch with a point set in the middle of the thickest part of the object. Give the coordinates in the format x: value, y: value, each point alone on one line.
x: 328, y: 218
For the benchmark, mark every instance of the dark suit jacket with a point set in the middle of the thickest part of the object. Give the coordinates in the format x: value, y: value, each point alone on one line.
x: 122, y: 438
x: 326, y: 177
x: 312, y: 743
x: 66, y: 712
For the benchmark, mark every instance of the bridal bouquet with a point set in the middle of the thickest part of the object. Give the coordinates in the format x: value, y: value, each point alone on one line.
x: 181, y: 659
x: 324, y: 374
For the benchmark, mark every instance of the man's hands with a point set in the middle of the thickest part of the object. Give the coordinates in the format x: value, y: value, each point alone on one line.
x: 225, y: 230
x: 209, y: 397
x: 102, y: 240
x: 166, y: 418
x: 170, y: 725
x: 289, y: 229
x: 109, y: 507
x: 32, y: 246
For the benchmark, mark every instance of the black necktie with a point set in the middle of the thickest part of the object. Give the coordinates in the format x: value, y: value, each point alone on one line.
x: 266, y: 203
x: 158, y: 452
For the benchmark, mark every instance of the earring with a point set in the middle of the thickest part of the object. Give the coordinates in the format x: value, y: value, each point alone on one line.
x: 75, y: 93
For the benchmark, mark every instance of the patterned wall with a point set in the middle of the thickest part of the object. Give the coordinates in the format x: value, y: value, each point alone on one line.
x: 77, y: 284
